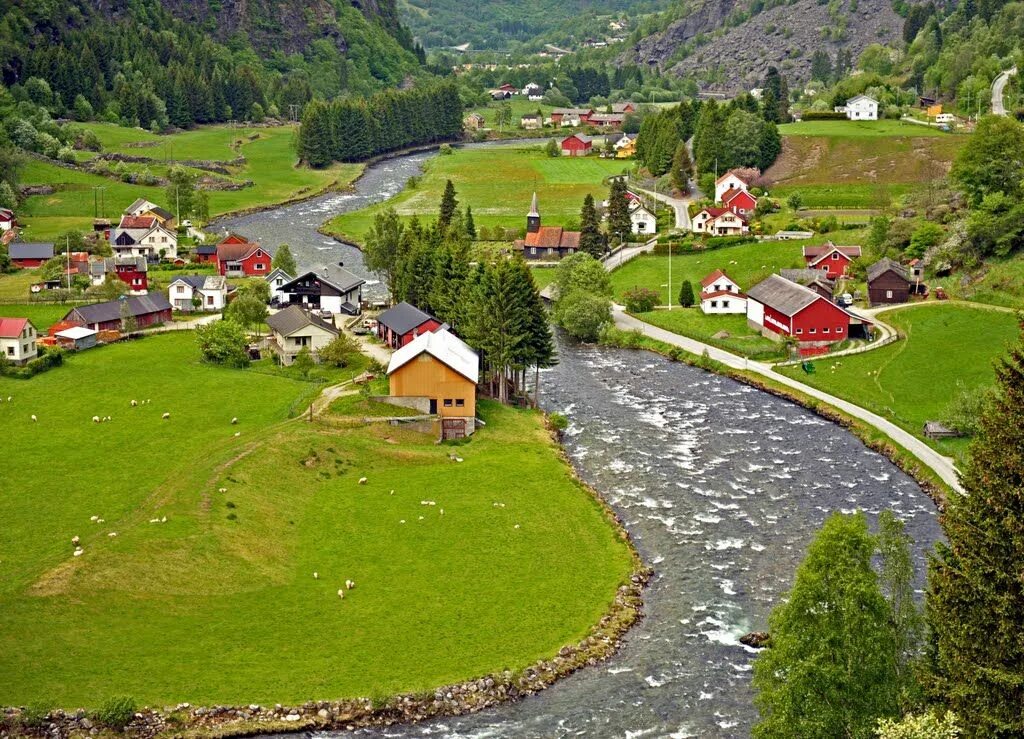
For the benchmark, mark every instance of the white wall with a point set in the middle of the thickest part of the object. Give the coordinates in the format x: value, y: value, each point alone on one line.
x: 724, y: 304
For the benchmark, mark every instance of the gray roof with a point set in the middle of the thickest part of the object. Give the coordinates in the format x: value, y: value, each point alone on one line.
x: 337, y: 277
x: 403, y: 318
x: 293, y: 318
x: 884, y: 265
x: 195, y: 281
x: 30, y: 250
x: 807, y: 276
x: 787, y: 297
x: 111, y: 310
x: 206, y: 249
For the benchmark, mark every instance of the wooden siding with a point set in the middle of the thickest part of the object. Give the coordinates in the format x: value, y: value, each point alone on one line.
x: 888, y: 282
x: 427, y: 377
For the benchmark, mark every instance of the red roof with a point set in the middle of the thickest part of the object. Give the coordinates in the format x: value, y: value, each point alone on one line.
x: 734, y: 193
x: 714, y: 276
x: 814, y: 254
x: 715, y: 212
x: 745, y: 176
x: 553, y: 237
x: 138, y: 221
x: 11, y: 328
x: 720, y: 293
x: 234, y: 239
x: 61, y: 325
x: 234, y: 251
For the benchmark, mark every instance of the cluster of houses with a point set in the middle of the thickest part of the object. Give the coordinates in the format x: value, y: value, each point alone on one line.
x: 737, y: 204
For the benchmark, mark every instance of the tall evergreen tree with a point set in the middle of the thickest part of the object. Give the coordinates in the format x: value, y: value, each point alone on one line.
x: 591, y: 238
x: 682, y: 168
x: 975, y: 605
x: 470, y: 224
x: 619, y: 223
x: 448, y: 206
x: 897, y: 582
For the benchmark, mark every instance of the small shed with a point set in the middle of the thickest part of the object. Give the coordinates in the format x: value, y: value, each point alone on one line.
x: 936, y: 430
x: 76, y: 338
x: 888, y: 282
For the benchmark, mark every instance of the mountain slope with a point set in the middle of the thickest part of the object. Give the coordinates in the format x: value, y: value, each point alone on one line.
x: 724, y: 44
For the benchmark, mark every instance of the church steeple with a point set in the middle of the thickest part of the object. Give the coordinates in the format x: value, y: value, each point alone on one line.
x: 533, y: 217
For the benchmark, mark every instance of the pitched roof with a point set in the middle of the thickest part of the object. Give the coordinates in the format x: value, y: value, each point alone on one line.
x: 733, y: 193
x: 445, y: 347
x: 293, y: 318
x: 206, y: 250
x: 131, y: 222
x: 139, y: 203
x: 742, y: 176
x: 403, y: 318
x: 30, y: 250
x: 139, y: 305
x: 884, y: 265
x: 11, y: 328
x: 716, y: 275
x: 162, y: 212
x: 234, y: 251
x: 534, y: 212
x: 817, y: 253
x: 581, y: 136
x: 6, y: 214
x: 621, y: 107
x: 807, y: 277
x: 720, y: 293
x: 194, y: 281
x: 75, y: 332
x: 553, y: 237
x: 786, y: 297
x: 278, y: 272
x: 337, y: 277
x: 862, y: 97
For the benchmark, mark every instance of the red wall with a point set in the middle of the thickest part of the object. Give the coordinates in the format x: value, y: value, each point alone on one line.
x: 782, y: 318
x: 257, y: 257
x: 391, y: 339
x: 575, y: 146
x: 820, y: 315
x: 28, y: 262
x: 836, y: 267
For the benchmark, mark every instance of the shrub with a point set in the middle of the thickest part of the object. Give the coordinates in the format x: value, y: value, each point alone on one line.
x: 963, y: 414
x: 686, y: 296
x: 66, y: 154
x: 558, y: 422
x: 640, y: 299
x: 823, y: 115
x: 445, y: 150
x: 116, y: 712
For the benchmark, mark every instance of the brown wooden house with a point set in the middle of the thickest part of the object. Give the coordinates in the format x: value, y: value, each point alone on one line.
x: 888, y: 282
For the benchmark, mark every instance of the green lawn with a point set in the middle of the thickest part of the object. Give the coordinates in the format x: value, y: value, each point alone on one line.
x: 913, y: 381
x: 219, y: 604
x: 520, y: 107
x: 859, y: 129
x: 694, y: 323
x: 42, y: 315
x: 543, y: 276
x: 15, y: 286
x: 270, y: 165
x: 497, y: 183
x: 747, y: 264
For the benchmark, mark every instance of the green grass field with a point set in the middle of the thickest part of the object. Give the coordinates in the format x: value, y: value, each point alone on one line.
x: 1000, y: 282
x: 520, y: 106
x: 860, y: 129
x: 497, y: 183
x: 270, y: 165
x: 42, y: 315
x: 913, y: 381
x: 694, y: 323
x: 218, y: 604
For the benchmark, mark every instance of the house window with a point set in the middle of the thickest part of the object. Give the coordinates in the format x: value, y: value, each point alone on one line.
x: 533, y: 249
x: 725, y: 303
x: 839, y: 329
x: 24, y: 348
x: 10, y: 351
x: 460, y: 403
x: 824, y: 331
x: 714, y: 303
x: 181, y: 289
x: 260, y: 266
x: 812, y: 330
x: 799, y: 330
x: 447, y: 402
x: 835, y: 257
x: 888, y: 293
x: 209, y: 300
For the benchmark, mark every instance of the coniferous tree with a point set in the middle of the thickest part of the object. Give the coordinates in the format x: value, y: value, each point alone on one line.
x: 897, y: 582
x: 619, y: 223
x: 470, y: 224
x: 686, y: 298
x: 975, y: 604
x: 591, y: 239
x: 449, y: 205
x: 284, y: 260
x: 682, y: 168
x: 538, y: 349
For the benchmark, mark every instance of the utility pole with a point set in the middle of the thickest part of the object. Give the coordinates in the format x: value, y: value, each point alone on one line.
x: 670, y: 275
x: 67, y: 257
x: 177, y: 205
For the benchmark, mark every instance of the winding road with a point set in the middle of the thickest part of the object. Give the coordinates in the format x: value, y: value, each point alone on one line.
x: 998, y: 86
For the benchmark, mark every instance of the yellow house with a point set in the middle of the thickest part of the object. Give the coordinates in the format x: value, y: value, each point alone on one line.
x: 437, y: 373
x: 627, y: 150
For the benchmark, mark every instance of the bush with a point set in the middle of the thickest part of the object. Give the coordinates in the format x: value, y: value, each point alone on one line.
x: 223, y: 342
x: 823, y: 115
x: 641, y: 299
x: 963, y: 414
x: 558, y: 422
x: 445, y: 150
x: 116, y: 712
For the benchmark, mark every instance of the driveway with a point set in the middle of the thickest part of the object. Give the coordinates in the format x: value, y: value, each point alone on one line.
x: 942, y: 466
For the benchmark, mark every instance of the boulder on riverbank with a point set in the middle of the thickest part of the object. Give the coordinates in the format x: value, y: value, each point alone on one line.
x: 756, y: 639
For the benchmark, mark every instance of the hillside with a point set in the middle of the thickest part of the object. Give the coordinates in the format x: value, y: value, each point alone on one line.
x: 724, y: 44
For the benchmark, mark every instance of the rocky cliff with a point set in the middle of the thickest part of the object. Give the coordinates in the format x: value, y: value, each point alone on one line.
x: 704, y: 44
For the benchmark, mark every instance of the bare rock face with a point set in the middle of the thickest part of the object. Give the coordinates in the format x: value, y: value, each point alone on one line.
x: 736, y: 57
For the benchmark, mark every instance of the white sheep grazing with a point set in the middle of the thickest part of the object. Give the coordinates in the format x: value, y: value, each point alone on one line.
x: 341, y: 593
x: 93, y: 518
x: 222, y: 490
x: 442, y: 511
x: 95, y: 419
x: 349, y: 584
x: 79, y: 552
x: 154, y: 520
x: 362, y: 480
x: 75, y: 540
x: 237, y: 434
x: 163, y: 519
x: 165, y: 416
x: 34, y: 417
x: 316, y: 575
x: 234, y: 421
x: 112, y: 534
x: 100, y: 520
x: 134, y: 403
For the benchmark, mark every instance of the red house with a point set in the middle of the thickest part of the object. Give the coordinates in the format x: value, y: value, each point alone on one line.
x: 205, y: 255
x: 577, y: 145
x: 238, y: 257
x: 831, y: 259
x: 146, y: 309
x: 7, y: 219
x: 779, y: 307
x: 132, y: 271
x: 740, y: 202
x: 24, y: 254
x: 400, y: 324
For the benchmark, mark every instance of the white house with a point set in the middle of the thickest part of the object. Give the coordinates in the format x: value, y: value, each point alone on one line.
x: 17, y: 340
x: 210, y: 290
x: 720, y: 295
x: 277, y: 279
x: 293, y: 330
x: 719, y: 222
x: 644, y: 222
x: 625, y: 140
x: 7, y: 219
x: 143, y: 236
x: 861, y: 108
x: 732, y: 180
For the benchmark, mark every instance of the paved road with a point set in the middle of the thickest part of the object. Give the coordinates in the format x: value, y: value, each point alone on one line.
x: 941, y: 465
x: 680, y: 205
x: 998, y: 85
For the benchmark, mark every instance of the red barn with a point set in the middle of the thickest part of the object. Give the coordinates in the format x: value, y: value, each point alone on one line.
x: 24, y: 254
x: 146, y: 309
x: 577, y: 145
x: 205, y: 255
x: 238, y: 257
x: 400, y: 324
x: 778, y: 307
x: 740, y: 202
x: 132, y: 271
x: 831, y: 259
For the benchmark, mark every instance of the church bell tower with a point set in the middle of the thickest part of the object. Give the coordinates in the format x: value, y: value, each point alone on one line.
x: 533, y: 217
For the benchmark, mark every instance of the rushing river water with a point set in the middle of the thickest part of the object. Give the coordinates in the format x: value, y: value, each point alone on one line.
x: 720, y: 485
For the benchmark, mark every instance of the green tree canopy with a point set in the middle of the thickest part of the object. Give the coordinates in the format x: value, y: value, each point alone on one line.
x: 283, y: 259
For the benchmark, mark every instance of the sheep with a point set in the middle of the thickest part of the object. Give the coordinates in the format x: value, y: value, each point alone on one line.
x: 442, y: 511
x: 427, y: 502
x: 349, y: 584
x: 362, y: 480
x: 112, y: 534
x: 154, y: 520
x: 222, y: 490
x: 402, y: 521
x: 516, y: 526
x: 95, y: 419
x: 165, y: 416
x: 79, y: 552
x: 341, y: 593
x: 9, y: 398
x: 134, y: 403
x: 34, y: 417
x: 75, y: 540
x: 234, y: 421
x: 237, y: 434
x: 93, y: 518
x: 100, y: 520
x: 421, y: 518
x: 316, y: 575
x: 163, y: 519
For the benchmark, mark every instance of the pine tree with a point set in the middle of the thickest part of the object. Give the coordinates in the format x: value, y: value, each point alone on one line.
x: 448, y: 206
x: 591, y: 239
x: 682, y: 168
x: 618, y: 210
x: 897, y: 582
x: 686, y: 298
x: 470, y: 224
x: 975, y: 604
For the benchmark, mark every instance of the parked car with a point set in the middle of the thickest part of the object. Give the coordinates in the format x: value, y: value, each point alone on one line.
x: 846, y: 300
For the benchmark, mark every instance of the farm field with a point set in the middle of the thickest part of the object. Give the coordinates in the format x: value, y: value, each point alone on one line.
x: 914, y: 380
x: 42, y: 315
x: 270, y: 165
x: 218, y: 604
x: 520, y: 106
x: 497, y: 182
x: 693, y: 322
x: 858, y: 164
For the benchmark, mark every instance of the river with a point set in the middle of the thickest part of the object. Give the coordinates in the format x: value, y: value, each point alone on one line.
x: 721, y: 487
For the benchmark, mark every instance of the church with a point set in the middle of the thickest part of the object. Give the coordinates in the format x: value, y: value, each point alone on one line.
x: 546, y: 242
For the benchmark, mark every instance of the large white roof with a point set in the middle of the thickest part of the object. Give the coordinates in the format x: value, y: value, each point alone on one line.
x: 443, y: 346
x: 76, y: 332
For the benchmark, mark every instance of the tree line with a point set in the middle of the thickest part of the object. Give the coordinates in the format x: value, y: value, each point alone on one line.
x: 352, y: 129
x: 494, y: 306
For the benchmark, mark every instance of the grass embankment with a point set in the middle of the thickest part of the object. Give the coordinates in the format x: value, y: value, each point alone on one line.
x: 999, y: 282
x: 219, y: 604
x: 270, y: 165
x: 693, y: 322
x: 858, y: 164
x: 497, y: 183
x: 914, y: 380
x: 42, y: 315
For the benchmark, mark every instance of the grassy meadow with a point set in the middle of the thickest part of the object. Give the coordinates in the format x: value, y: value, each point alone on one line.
x: 42, y: 315
x: 694, y: 323
x: 269, y: 165
x: 497, y: 183
x: 914, y: 380
x: 218, y: 604
x: 858, y: 164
